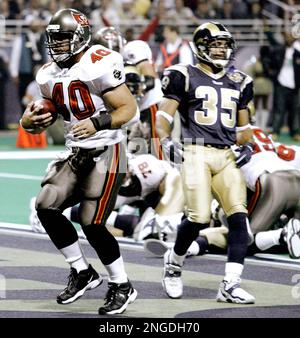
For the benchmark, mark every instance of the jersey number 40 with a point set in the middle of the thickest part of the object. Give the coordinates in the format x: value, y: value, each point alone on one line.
x: 75, y: 89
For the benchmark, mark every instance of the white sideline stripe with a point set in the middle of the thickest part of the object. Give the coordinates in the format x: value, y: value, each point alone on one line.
x: 28, y: 155
x: 20, y: 176
x: 15, y: 226
x: 130, y: 243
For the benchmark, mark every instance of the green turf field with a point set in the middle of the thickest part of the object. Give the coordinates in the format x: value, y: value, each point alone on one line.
x: 15, y: 192
x: 20, y: 178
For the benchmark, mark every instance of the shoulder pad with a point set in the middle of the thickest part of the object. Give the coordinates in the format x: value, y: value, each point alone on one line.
x: 183, y: 69
x: 97, y: 61
x: 46, y: 72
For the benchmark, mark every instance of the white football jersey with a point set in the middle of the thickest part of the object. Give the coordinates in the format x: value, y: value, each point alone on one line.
x: 150, y: 171
x: 264, y: 159
x: 78, y: 92
x: 133, y: 53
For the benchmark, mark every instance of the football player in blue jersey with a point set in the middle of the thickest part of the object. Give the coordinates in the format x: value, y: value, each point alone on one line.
x: 212, y: 100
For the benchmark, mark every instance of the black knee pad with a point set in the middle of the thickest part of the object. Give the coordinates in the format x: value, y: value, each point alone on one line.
x: 103, y: 242
x: 60, y: 230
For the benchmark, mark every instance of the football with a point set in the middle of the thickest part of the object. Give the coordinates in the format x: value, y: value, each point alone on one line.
x: 48, y: 106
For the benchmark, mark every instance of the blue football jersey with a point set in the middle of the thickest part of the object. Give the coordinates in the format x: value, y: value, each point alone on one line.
x: 208, y: 103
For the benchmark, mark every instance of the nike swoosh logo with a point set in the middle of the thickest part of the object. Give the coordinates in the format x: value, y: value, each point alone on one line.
x: 217, y: 83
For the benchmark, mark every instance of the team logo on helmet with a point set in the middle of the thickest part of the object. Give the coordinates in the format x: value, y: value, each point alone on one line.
x: 68, y: 33
x: 81, y: 19
x: 205, y: 36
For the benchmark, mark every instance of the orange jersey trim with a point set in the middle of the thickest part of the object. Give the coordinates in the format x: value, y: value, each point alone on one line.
x: 112, y: 174
x: 154, y: 136
x: 254, y: 198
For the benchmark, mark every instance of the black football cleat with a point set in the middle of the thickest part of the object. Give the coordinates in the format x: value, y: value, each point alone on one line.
x: 118, y: 297
x: 78, y: 283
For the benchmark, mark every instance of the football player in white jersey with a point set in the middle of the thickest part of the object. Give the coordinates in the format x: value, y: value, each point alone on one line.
x: 159, y: 184
x: 139, y: 54
x: 274, y: 178
x: 87, y: 86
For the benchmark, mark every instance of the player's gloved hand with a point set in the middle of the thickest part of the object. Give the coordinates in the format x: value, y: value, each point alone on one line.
x: 246, y: 151
x: 172, y: 149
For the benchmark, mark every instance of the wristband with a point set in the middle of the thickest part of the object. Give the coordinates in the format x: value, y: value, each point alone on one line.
x: 242, y: 128
x: 101, y: 122
x: 167, y: 116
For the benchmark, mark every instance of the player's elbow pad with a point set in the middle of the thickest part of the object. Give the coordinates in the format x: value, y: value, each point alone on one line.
x: 149, y: 82
x: 133, y: 120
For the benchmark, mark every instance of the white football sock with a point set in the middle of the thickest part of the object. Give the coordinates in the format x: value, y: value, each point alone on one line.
x: 174, y: 258
x: 75, y: 256
x: 233, y: 271
x: 116, y: 271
